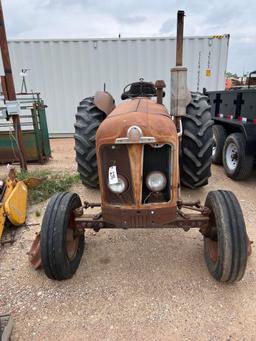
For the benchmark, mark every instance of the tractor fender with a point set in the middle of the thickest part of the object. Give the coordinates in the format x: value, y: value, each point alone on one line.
x: 104, y: 101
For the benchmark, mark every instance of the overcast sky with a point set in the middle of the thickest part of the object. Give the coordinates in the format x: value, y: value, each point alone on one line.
x: 107, y: 18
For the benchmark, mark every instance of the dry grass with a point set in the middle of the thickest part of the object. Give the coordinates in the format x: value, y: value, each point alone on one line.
x: 53, y: 182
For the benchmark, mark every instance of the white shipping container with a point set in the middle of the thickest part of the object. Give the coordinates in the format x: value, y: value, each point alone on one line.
x: 66, y: 71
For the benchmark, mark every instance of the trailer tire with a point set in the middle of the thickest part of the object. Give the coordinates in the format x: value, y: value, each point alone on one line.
x: 219, y: 137
x: 61, y: 247
x: 226, y: 243
x: 197, y: 142
x: 88, y: 120
x: 237, y: 164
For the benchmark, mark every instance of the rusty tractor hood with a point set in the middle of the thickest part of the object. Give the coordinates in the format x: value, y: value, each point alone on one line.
x: 153, y: 119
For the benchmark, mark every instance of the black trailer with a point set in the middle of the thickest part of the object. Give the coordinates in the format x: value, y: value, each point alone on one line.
x: 234, y: 115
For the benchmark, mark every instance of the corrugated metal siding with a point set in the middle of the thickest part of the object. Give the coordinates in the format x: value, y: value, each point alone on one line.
x: 66, y: 71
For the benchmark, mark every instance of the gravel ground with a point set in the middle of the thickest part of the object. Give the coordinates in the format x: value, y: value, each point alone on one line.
x: 131, y: 285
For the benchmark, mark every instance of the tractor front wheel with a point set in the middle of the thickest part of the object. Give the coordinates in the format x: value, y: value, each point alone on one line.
x: 226, y: 243
x: 62, y: 245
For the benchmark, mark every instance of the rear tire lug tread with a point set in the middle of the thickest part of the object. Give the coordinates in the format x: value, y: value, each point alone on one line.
x: 197, y: 142
x: 88, y: 120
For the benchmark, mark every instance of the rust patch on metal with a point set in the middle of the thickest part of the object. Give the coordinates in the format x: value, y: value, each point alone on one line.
x: 136, y: 160
x: 154, y: 120
x: 117, y: 155
x: 213, y: 249
x: 139, y: 218
x: 104, y: 101
x: 34, y: 254
x: 141, y: 105
x: 150, y: 217
x: 180, y: 28
x: 249, y: 246
x: 72, y: 242
x: 192, y: 221
x: 33, y: 182
x: 90, y: 221
x: 159, y: 85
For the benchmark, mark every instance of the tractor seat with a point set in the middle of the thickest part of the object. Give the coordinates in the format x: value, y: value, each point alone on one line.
x: 139, y: 89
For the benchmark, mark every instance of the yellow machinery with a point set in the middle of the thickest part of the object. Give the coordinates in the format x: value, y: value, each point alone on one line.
x: 13, y: 199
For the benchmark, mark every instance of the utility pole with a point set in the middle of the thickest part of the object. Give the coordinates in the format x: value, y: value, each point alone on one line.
x: 10, y: 89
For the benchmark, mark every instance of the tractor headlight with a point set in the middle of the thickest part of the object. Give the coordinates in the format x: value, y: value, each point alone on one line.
x: 156, y: 181
x: 120, y: 186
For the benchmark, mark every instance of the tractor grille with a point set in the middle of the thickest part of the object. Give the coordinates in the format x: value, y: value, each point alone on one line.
x: 157, y: 159
x: 117, y: 155
x: 140, y: 221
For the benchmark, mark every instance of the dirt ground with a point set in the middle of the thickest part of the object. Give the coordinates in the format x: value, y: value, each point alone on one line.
x: 131, y: 284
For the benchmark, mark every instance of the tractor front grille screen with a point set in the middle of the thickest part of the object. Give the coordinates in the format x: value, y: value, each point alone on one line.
x: 117, y: 155
x: 157, y: 159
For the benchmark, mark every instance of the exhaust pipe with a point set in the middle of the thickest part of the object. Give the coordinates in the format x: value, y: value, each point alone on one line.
x: 179, y: 37
x: 180, y: 96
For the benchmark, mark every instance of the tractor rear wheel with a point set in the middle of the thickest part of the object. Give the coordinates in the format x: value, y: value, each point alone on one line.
x: 88, y: 119
x: 197, y: 143
x: 62, y: 246
x: 226, y: 241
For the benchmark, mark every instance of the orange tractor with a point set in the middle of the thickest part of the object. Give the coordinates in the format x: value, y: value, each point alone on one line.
x: 139, y: 154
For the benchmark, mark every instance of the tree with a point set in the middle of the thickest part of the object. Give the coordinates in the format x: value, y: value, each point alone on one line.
x: 230, y: 74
